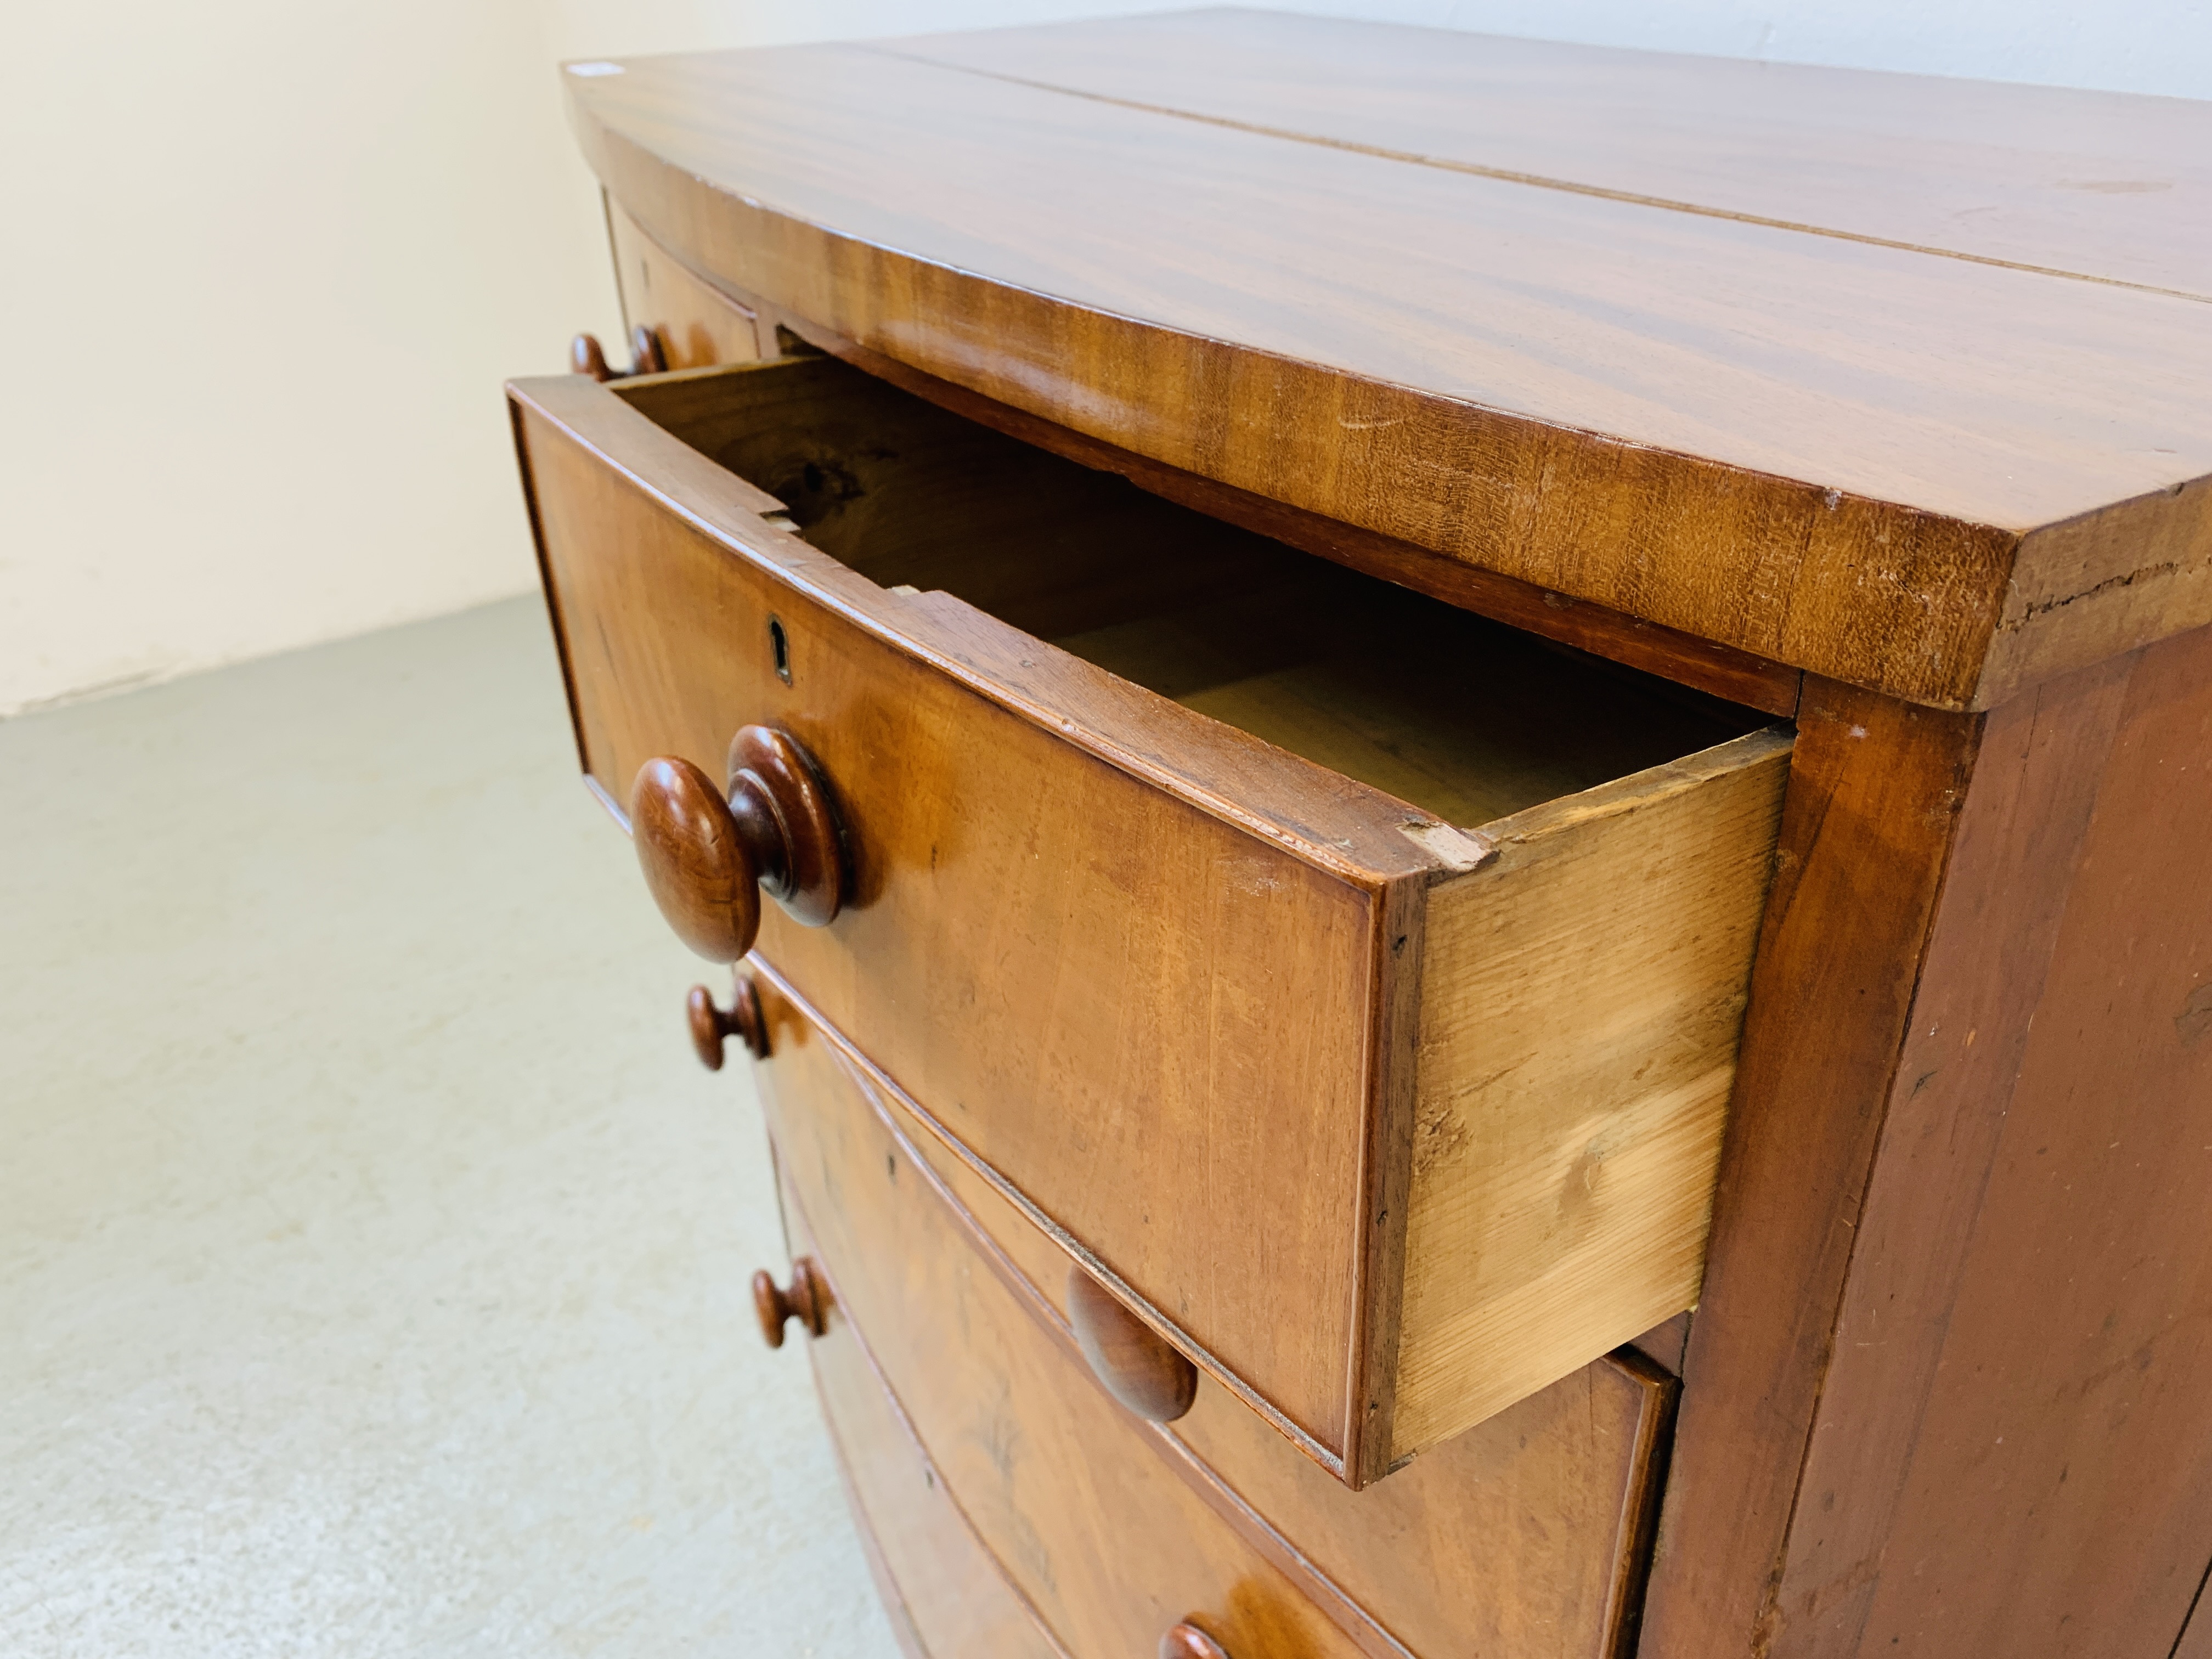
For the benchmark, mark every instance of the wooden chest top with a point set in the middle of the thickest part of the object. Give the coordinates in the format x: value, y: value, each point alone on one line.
x: 1903, y: 380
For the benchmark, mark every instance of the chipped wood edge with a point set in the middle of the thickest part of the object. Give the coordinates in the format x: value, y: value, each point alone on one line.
x: 2101, y: 584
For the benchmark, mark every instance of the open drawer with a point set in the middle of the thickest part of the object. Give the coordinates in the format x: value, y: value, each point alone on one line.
x: 1353, y: 982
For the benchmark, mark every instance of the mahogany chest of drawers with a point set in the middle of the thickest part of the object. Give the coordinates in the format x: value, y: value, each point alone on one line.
x: 1462, y: 789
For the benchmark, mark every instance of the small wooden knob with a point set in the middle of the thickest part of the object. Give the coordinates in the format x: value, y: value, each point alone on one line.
x: 587, y: 356
x: 807, y: 1300
x: 711, y: 1026
x: 1136, y: 1364
x: 1188, y: 1641
x: 707, y: 855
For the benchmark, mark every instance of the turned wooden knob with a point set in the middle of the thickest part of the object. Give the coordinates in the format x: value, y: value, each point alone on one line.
x: 807, y: 1300
x: 707, y: 854
x: 1135, y: 1363
x: 587, y: 356
x: 1188, y: 1641
x: 711, y: 1026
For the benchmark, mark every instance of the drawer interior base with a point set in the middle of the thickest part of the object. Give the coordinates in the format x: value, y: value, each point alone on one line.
x: 1458, y: 716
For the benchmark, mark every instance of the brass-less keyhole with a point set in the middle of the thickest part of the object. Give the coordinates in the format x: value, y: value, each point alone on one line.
x: 781, y: 646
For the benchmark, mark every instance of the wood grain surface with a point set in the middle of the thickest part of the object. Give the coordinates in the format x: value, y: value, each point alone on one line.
x: 1922, y: 472
x: 1134, y: 956
x: 947, y: 1596
x: 2019, y: 842
x: 1023, y: 829
x: 1867, y: 823
x: 1944, y: 1392
x: 2013, y: 1450
x: 2197, y: 1640
x: 2045, y: 177
x: 696, y: 326
x: 1521, y: 1536
x: 1720, y: 670
x: 1097, y: 1532
x: 1641, y: 900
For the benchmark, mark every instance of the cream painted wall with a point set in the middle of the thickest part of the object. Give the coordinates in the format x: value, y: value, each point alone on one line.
x: 268, y: 264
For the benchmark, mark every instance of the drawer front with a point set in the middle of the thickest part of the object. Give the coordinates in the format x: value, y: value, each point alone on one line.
x: 1390, y: 1125
x: 1109, y: 1547
x: 696, y: 327
x: 947, y: 1597
x: 1103, y: 981
x: 1526, y: 1535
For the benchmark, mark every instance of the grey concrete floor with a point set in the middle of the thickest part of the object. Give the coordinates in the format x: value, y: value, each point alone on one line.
x: 372, y: 1251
